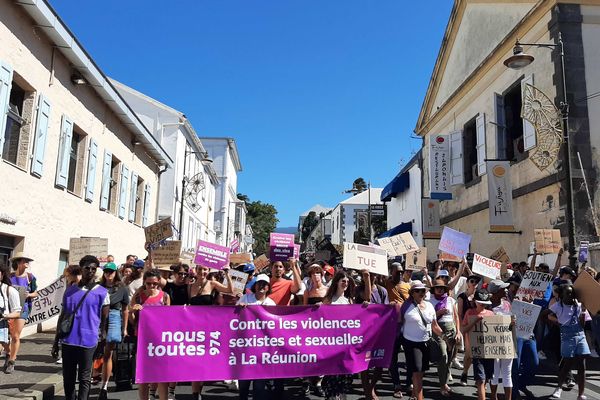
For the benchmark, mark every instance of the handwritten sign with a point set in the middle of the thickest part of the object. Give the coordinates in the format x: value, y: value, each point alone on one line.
x: 371, y: 258
x: 168, y: 254
x: 240, y: 258
x: 261, y: 262
x: 500, y: 255
x: 211, y: 255
x: 454, y: 242
x: 526, y: 315
x: 486, y: 266
x: 80, y: 247
x: 443, y: 256
x: 534, y: 284
x: 547, y: 240
x: 587, y: 290
x: 416, y: 260
x: 48, y: 304
x: 235, y: 245
x: 492, y: 337
x: 239, y: 280
x: 159, y: 231
x: 399, y: 244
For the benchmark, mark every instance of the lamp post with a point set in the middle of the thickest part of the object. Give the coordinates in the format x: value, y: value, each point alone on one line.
x: 205, y: 160
x: 519, y: 60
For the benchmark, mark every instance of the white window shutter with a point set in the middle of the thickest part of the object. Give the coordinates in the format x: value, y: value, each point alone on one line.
x: 481, y: 147
x: 146, y: 211
x: 91, y: 171
x: 123, y: 190
x: 6, y: 74
x: 456, y: 158
x: 529, y: 139
x: 106, y: 178
x: 501, y: 140
x: 64, y: 151
x: 133, y: 196
x: 41, y: 135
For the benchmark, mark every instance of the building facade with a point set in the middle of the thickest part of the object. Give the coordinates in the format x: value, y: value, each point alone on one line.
x: 477, y: 101
x: 176, y: 135
x: 350, y: 218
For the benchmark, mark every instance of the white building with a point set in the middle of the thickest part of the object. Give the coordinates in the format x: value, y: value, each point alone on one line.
x: 403, y: 198
x: 352, y: 214
x: 226, y: 162
x: 175, y: 133
x: 76, y: 159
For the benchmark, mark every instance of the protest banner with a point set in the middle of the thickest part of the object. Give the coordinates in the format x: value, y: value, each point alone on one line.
x: 430, y: 210
x: 261, y: 262
x: 534, y: 284
x: 587, y: 290
x: 486, y: 266
x: 500, y: 255
x: 416, y: 260
x: 360, y: 256
x: 48, y: 303
x: 547, y: 240
x: 211, y: 255
x: 159, y: 231
x: 492, y: 337
x: 279, y: 253
x: 439, y: 167
x: 296, y: 251
x: 443, y: 256
x: 282, y: 246
x: 454, y: 242
x: 83, y: 246
x: 212, y: 343
x: 526, y: 315
x: 167, y: 254
x: 239, y: 280
x: 235, y: 246
x: 240, y: 258
x: 398, y: 245
x: 281, y: 239
x: 583, y: 251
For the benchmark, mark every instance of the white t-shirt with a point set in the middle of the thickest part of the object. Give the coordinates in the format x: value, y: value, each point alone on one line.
x: 450, y: 305
x: 250, y: 299
x: 413, y: 328
x: 9, y: 299
x: 461, y: 286
x: 134, y: 286
x: 341, y: 300
x: 567, y: 315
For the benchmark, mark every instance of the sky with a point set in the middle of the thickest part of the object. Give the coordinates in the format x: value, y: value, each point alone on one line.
x: 315, y: 93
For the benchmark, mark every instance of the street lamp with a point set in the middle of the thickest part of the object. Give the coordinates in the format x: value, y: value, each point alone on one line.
x: 205, y: 161
x: 519, y: 60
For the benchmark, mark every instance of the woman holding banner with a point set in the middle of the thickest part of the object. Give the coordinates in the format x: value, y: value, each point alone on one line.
x: 10, y: 308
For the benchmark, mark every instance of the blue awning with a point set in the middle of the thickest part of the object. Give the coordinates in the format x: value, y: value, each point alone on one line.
x: 398, y: 185
x: 405, y: 227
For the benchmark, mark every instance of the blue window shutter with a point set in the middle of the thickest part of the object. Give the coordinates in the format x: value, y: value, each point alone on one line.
x: 6, y: 74
x: 91, y: 171
x: 41, y: 135
x: 106, y: 167
x: 133, y: 196
x: 146, y: 211
x: 123, y: 190
x: 64, y: 152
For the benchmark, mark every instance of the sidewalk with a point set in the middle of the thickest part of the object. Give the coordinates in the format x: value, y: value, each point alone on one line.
x: 36, y: 376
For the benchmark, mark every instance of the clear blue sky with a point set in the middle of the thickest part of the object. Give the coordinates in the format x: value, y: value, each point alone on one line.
x: 315, y: 93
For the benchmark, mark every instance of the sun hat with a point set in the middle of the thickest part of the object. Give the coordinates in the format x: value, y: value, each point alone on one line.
x: 440, y: 283
x: 496, y: 285
x: 20, y: 255
x: 138, y: 264
x: 261, y: 278
x: 418, y: 285
x: 111, y: 266
x: 482, y: 296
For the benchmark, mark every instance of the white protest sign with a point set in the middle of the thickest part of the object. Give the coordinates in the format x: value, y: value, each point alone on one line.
x: 399, y: 244
x: 371, y: 258
x: 239, y: 280
x: 48, y: 304
x: 416, y: 260
x: 80, y: 247
x: 486, y: 266
x: 534, y: 284
x: 526, y: 315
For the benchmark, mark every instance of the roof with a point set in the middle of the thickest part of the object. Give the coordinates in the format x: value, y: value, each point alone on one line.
x: 318, y: 209
x: 48, y: 21
x: 363, y: 197
x: 235, y: 155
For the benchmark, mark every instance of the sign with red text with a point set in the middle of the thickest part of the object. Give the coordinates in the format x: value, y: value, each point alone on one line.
x: 454, y: 242
x: 534, y: 284
x: 526, y: 315
x: 547, y: 240
x: 439, y: 167
x: 486, y: 266
x: 371, y: 258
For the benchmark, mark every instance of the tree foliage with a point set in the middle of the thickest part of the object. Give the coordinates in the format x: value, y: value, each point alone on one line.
x: 359, y: 185
x: 262, y: 217
x: 309, y: 223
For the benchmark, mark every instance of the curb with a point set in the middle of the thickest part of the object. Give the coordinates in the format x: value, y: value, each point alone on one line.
x: 46, y: 389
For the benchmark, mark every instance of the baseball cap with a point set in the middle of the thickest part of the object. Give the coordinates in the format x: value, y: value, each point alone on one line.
x: 482, y: 296
x: 249, y: 267
x: 329, y: 269
x: 111, y: 266
x: 261, y: 278
x: 496, y: 285
x: 443, y: 272
x: 138, y: 264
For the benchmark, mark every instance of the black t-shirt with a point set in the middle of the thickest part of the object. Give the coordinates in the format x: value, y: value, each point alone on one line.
x: 119, y: 297
x: 178, y: 294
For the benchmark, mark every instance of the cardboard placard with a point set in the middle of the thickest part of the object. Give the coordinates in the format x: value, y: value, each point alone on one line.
x: 492, y: 338
x: 526, y: 315
x: 443, y: 256
x: 587, y: 290
x: 416, y: 260
x: 211, y: 255
x: 159, y: 231
x: 239, y: 280
x: 261, y: 262
x: 80, y: 247
x: 454, y: 242
x: 167, y: 255
x: 547, y: 240
x: 500, y: 255
x: 534, y: 284
x: 398, y: 245
x: 240, y: 258
x: 371, y: 258
x: 486, y: 266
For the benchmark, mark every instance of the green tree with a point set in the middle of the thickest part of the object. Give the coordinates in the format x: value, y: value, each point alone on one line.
x: 309, y: 224
x: 359, y: 185
x: 262, y: 217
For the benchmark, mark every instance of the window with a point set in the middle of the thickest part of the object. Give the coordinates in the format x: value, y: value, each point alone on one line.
x: 512, y: 132
x: 139, y: 201
x: 76, y: 162
x: 16, y: 135
x: 113, y: 194
x: 470, y: 151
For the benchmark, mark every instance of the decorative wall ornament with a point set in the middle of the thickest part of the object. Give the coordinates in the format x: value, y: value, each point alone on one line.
x: 547, y: 121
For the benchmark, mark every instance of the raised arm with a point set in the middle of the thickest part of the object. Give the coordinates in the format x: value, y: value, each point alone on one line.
x: 558, y: 262
x: 219, y: 287
x: 297, y: 280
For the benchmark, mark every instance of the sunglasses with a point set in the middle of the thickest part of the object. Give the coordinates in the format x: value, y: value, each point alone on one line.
x: 151, y: 283
x: 420, y: 291
x: 182, y: 274
x: 473, y: 281
x: 88, y: 268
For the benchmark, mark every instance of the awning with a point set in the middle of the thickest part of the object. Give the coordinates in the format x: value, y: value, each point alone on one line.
x: 398, y: 185
x: 405, y: 227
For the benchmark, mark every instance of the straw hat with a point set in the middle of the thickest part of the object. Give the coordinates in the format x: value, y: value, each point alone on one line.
x: 20, y: 255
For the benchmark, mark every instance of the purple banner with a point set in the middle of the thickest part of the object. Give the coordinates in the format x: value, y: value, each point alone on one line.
x: 281, y: 240
x: 454, y: 242
x: 211, y: 343
x: 583, y: 251
x: 279, y: 253
x: 235, y: 246
x: 211, y: 255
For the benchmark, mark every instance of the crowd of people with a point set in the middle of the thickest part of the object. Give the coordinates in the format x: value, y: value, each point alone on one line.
x: 437, y: 309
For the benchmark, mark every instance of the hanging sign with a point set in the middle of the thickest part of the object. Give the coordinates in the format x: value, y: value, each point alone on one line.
x: 500, y: 196
x: 430, y: 211
x: 439, y: 167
